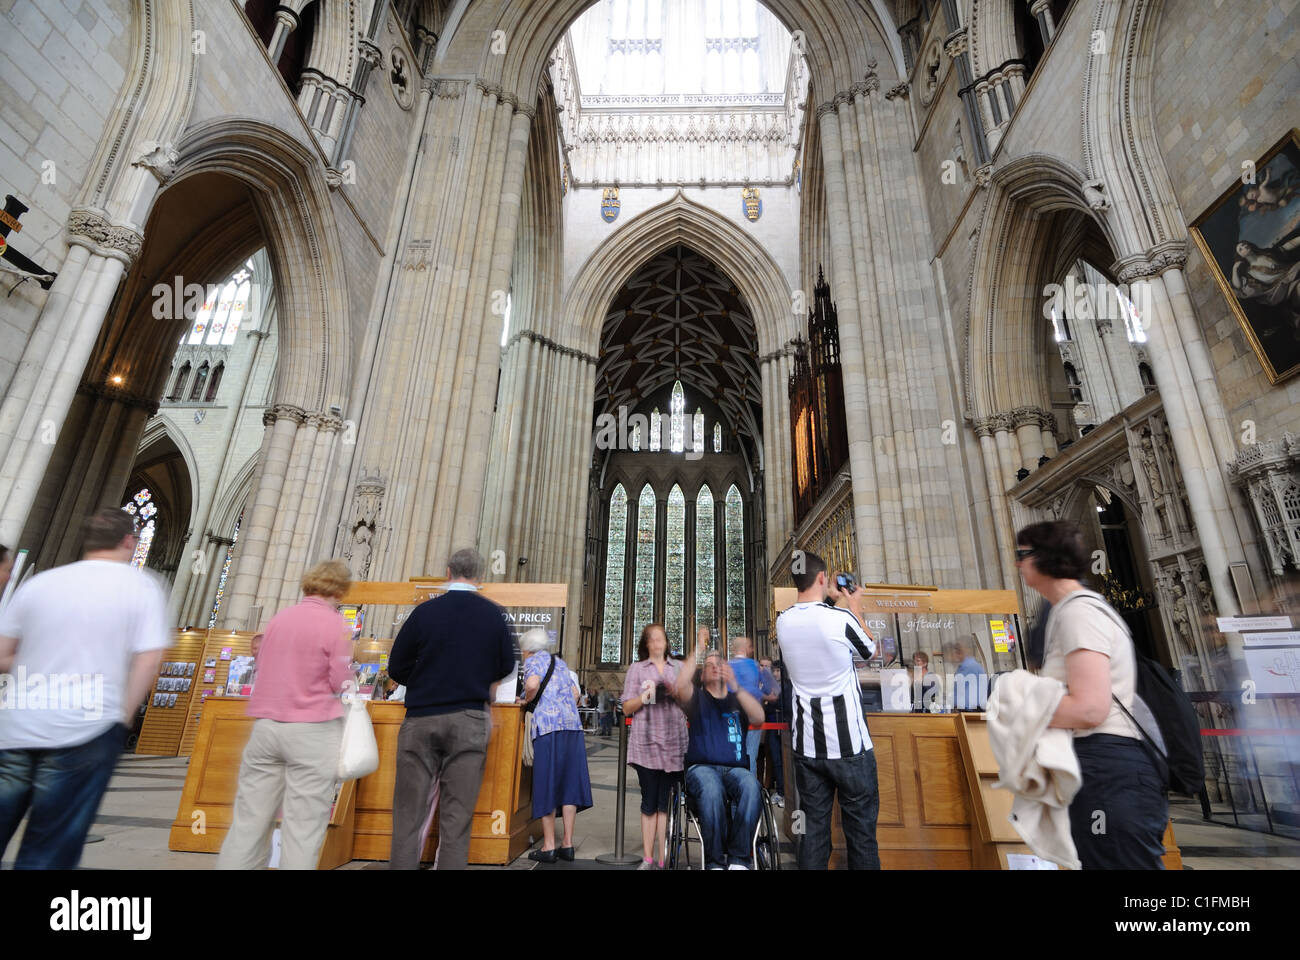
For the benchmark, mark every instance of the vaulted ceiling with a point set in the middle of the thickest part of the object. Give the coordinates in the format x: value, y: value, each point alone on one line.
x: 680, y: 318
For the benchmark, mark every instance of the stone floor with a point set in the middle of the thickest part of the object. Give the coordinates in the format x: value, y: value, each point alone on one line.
x: 141, y: 802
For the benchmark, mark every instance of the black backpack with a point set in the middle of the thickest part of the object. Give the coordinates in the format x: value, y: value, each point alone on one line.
x: 1176, y: 749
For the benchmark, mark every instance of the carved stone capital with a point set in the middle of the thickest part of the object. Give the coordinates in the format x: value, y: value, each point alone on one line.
x: 92, y: 230
x: 983, y: 175
x: 369, y: 52
x: 488, y: 89
x: 158, y: 158
x: 284, y: 411
x: 1166, y: 256
x: 897, y: 90
x: 955, y: 44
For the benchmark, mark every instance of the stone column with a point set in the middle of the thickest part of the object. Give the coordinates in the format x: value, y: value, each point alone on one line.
x: 286, y: 22
x: 45, y: 383
x: 282, y: 421
x: 1189, y: 434
x: 866, y: 510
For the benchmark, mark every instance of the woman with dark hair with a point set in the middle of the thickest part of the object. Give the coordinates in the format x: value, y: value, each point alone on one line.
x: 1088, y: 648
x: 657, y: 744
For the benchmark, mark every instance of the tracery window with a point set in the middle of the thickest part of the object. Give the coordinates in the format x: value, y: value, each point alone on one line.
x: 145, y: 511
x: 644, y: 609
x: 734, y: 523
x: 225, y: 572
x: 717, y: 438
x: 675, y: 571
x: 611, y: 637
x: 656, y: 427
x: 705, y: 562
x: 698, y: 432
x: 677, y: 429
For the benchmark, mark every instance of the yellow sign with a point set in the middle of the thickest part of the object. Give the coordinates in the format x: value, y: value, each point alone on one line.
x: 10, y: 221
x: 999, y: 630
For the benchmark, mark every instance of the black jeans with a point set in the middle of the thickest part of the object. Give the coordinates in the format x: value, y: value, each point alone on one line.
x: 1118, y: 817
x: 854, y: 780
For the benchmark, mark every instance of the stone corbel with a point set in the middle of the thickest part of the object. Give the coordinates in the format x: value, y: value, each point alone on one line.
x: 983, y: 175
x: 1095, y: 195
x: 897, y: 90
x: 158, y: 158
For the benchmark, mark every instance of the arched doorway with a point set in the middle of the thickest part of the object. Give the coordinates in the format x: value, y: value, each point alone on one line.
x: 676, y: 479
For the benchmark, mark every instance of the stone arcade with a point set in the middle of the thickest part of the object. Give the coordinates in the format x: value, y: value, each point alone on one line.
x: 438, y: 241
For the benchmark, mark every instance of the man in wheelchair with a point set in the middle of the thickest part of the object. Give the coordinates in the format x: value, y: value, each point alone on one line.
x: 723, y: 793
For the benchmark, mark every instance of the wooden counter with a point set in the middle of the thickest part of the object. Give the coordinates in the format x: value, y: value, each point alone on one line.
x: 929, y: 817
x: 361, y: 828
x: 502, y: 815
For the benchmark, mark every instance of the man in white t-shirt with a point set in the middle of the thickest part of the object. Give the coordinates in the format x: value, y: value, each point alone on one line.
x: 831, y: 747
x: 79, y: 648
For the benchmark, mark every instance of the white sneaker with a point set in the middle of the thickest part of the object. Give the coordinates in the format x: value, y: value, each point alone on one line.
x: 737, y: 866
x: 647, y: 865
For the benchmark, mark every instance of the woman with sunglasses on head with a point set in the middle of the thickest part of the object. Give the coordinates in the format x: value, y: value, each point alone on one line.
x: 1088, y: 648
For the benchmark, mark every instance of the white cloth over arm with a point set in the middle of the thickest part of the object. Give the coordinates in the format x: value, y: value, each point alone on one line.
x: 1035, y: 762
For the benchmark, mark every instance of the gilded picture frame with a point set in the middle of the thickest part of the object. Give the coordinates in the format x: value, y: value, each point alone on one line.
x: 1250, y: 237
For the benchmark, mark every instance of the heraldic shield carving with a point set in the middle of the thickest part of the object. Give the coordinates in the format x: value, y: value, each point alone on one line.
x: 753, y: 205
x: 609, y: 205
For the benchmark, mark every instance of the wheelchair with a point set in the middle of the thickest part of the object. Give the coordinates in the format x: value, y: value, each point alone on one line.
x: 683, y: 831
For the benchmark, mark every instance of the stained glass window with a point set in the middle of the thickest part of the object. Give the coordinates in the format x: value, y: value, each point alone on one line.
x: 225, y: 572
x: 717, y: 438
x: 655, y: 428
x: 218, y: 320
x: 675, y: 571
x: 611, y: 638
x: 142, y: 507
x: 705, y: 606
x: 644, y: 605
x: 677, y: 430
x: 697, y: 443
x: 734, y: 522
x: 636, y: 436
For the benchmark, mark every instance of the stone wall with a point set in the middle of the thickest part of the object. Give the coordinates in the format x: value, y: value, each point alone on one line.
x: 1225, y: 89
x: 61, y: 65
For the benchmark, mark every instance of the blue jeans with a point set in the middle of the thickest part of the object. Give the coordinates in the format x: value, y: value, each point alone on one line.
x: 62, y: 788
x: 728, y: 836
x: 854, y: 780
x: 753, y: 738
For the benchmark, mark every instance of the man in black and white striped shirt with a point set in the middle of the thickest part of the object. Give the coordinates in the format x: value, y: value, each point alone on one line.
x: 832, y: 749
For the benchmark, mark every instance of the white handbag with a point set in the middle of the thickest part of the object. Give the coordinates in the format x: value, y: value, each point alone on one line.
x: 358, y: 751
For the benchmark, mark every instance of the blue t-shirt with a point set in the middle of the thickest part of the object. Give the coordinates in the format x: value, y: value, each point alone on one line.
x: 717, y: 730
x: 971, y: 687
x: 748, y: 677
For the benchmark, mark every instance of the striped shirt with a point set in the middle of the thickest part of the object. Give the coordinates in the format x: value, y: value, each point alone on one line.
x: 818, y: 644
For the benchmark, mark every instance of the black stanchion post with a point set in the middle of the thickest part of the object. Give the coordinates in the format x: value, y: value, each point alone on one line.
x: 618, y: 857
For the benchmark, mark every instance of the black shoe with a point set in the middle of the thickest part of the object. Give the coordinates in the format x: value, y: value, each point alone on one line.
x: 542, y: 856
x: 566, y: 853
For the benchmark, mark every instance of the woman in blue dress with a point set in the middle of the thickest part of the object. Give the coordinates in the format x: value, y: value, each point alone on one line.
x: 560, y: 778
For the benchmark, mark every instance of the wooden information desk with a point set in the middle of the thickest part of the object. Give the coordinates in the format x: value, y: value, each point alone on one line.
x: 361, y: 827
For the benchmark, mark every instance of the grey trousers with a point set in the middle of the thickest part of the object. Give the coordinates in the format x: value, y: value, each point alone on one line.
x: 439, y: 767
x: 290, y: 766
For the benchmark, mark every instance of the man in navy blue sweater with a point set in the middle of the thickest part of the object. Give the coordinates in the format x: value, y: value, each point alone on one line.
x: 450, y: 653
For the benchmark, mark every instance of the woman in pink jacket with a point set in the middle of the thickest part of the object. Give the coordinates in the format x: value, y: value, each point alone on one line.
x: 292, y: 755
